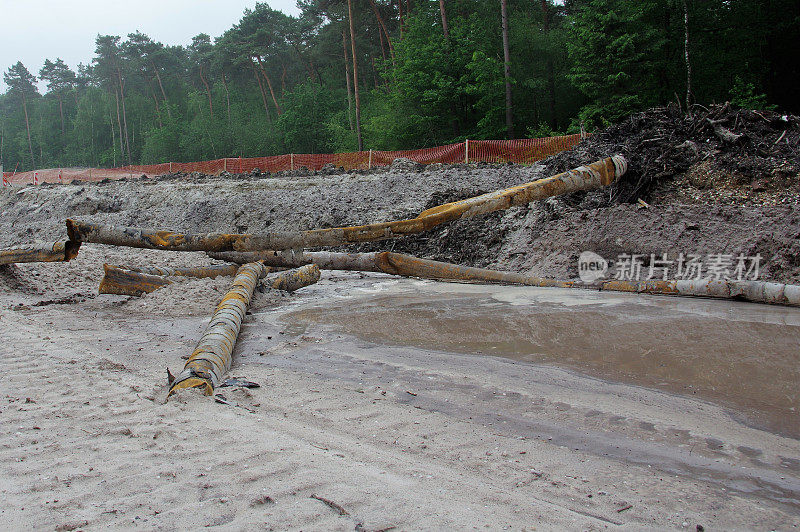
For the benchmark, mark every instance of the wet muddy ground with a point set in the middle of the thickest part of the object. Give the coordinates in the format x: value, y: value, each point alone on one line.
x: 740, y: 355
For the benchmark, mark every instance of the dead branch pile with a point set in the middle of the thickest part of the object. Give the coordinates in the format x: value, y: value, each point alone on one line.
x: 664, y: 142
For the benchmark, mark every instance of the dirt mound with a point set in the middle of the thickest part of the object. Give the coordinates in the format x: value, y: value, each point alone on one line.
x: 720, y: 181
x: 665, y: 142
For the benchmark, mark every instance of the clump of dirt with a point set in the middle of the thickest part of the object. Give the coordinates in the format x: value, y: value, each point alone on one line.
x: 12, y: 279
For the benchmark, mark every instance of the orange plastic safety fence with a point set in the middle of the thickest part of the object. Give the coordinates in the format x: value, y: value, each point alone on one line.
x: 522, y: 151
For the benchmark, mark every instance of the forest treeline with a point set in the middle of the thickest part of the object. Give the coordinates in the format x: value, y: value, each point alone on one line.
x: 396, y: 74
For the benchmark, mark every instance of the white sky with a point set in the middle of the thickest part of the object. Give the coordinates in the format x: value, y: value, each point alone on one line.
x: 34, y: 30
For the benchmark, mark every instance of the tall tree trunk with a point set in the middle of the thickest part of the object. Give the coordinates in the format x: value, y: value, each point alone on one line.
x: 261, y: 88
x: 283, y: 80
x: 551, y: 78
x: 208, y: 91
x: 41, y: 149
x: 28, y: 128
x: 686, y: 54
x: 347, y: 79
x: 444, y: 20
x: 374, y: 71
x: 507, y: 70
x: 382, y: 24
x: 113, y: 140
x: 383, y: 45
x: 119, y: 125
x: 155, y: 100
x: 355, y: 74
x: 269, y: 84
x: 227, y: 94
x: 61, y: 111
x: 161, y: 86
x: 91, y: 126
x: 124, y: 113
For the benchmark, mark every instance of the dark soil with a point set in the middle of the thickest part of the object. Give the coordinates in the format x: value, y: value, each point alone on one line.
x: 665, y: 142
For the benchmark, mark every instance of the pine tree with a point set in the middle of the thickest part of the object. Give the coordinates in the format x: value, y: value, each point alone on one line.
x: 22, y: 85
x: 617, y: 50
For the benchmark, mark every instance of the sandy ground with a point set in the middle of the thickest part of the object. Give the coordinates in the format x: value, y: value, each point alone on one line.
x: 544, y: 238
x: 405, y: 404
x: 393, y: 435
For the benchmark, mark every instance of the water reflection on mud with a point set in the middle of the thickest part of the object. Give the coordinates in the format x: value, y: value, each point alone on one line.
x: 741, y: 355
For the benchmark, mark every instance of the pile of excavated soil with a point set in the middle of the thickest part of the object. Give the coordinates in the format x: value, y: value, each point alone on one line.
x: 718, y: 181
x: 755, y: 148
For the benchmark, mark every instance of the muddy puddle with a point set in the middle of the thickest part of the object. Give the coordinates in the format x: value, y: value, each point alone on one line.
x: 740, y: 355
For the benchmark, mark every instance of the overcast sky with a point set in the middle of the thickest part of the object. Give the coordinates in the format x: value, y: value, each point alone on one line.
x: 34, y: 30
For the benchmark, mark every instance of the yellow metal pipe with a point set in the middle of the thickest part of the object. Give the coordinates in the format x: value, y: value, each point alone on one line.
x: 200, y: 272
x: 213, y: 355
x: 326, y: 260
x: 56, y: 252
x: 292, y: 280
x: 127, y: 283
x: 407, y: 265
x: 594, y: 175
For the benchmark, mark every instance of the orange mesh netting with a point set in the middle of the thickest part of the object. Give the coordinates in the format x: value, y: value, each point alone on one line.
x: 523, y: 151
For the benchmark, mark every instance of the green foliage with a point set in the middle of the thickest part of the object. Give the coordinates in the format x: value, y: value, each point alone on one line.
x: 21, y: 83
x: 275, y: 84
x: 483, y: 80
x: 543, y: 130
x: 163, y: 144
x: 305, y: 111
x: 744, y: 95
x: 618, y: 51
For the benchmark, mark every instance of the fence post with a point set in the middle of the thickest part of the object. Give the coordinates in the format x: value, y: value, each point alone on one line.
x: 370, y: 158
x: 291, y: 158
x: 225, y: 164
x: 466, y: 151
x: 170, y: 167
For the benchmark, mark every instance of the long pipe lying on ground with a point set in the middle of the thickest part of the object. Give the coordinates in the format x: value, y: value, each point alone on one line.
x: 213, y: 355
x: 139, y: 281
x: 754, y: 291
x: 407, y: 265
x: 385, y: 262
x: 200, y: 272
x: 56, y: 252
x: 595, y: 175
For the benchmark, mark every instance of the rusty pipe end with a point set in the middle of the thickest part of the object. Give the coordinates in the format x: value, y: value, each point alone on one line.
x: 192, y: 382
x: 620, y: 165
x: 71, y: 248
x: 72, y: 230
